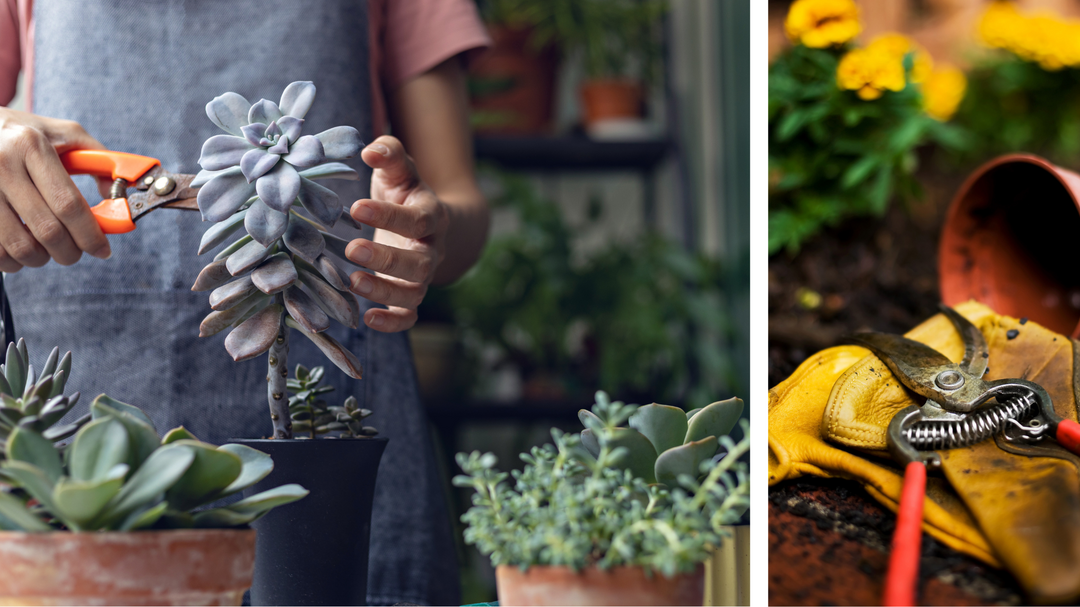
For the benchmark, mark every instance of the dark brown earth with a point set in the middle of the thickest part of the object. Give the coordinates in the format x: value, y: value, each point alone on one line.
x: 828, y: 538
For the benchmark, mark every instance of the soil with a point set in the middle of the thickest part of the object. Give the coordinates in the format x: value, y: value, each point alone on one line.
x: 828, y: 539
x: 828, y: 546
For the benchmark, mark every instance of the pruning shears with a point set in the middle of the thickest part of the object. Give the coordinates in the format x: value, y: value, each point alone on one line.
x: 958, y: 412
x: 153, y: 186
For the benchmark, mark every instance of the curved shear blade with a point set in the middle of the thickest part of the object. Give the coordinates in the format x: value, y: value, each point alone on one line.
x: 976, y: 352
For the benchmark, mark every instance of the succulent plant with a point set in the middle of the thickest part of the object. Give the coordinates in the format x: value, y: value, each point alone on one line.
x: 279, y: 274
x: 570, y: 507
x: 119, y: 474
x: 35, y: 400
x: 661, y: 441
x: 313, y: 415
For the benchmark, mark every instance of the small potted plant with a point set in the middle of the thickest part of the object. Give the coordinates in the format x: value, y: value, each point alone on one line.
x: 279, y: 275
x: 512, y: 84
x: 119, y: 515
x: 579, y: 527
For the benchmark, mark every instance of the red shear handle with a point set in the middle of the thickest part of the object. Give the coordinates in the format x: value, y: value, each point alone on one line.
x: 1068, y: 434
x: 907, y: 539
x: 113, y: 214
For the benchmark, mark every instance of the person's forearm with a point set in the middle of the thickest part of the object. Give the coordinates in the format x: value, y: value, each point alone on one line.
x: 430, y: 115
x: 465, y: 238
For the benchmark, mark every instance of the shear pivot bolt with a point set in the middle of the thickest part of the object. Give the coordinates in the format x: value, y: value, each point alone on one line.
x: 163, y: 186
x: 148, y: 180
x: 949, y: 380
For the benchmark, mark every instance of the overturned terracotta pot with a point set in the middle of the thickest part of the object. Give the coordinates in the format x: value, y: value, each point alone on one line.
x: 180, y: 567
x: 546, y: 585
x: 1010, y: 242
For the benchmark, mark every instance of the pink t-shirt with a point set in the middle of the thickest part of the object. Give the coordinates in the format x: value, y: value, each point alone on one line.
x: 408, y: 38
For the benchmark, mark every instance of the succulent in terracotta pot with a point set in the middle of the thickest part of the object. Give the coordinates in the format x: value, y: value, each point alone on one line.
x: 577, y: 528
x: 118, y: 475
x: 280, y: 274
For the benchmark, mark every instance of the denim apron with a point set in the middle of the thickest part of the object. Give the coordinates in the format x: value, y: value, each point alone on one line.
x: 137, y: 75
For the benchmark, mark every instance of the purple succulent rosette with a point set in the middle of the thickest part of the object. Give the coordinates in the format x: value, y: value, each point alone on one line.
x: 279, y: 274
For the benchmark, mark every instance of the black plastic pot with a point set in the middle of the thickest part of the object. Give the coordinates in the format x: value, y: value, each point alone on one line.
x: 315, y: 551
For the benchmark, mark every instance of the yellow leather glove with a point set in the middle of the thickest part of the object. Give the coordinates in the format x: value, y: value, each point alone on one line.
x: 1003, y: 508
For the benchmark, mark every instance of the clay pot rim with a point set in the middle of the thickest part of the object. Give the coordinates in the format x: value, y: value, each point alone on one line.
x: 699, y: 567
x: 319, y: 441
x: 986, y: 167
x: 961, y: 202
x: 105, y: 535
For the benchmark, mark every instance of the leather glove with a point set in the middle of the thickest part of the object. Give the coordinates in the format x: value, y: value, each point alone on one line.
x: 1002, y: 503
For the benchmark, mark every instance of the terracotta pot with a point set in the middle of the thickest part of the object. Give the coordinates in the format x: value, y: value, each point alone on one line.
x: 181, y: 567
x: 611, y: 99
x: 512, y: 85
x: 1009, y: 242
x: 546, y: 585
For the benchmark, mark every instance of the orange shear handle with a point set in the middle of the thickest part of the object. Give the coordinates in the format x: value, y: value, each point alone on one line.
x: 112, y: 214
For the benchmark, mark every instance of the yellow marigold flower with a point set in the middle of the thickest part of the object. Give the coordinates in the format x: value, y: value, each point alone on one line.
x: 899, y: 46
x: 1046, y: 39
x: 870, y: 73
x: 943, y: 91
x: 822, y: 23
x: 998, y: 25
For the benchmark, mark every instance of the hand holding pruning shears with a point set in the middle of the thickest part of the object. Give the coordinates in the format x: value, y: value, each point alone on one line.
x: 42, y: 213
x: 957, y: 413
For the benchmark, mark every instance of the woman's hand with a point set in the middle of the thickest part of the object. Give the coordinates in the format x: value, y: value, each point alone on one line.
x: 42, y: 214
x: 410, y: 237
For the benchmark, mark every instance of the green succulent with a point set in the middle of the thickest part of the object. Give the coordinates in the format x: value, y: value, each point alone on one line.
x: 661, y: 442
x: 35, y: 400
x: 573, y: 508
x: 280, y: 273
x: 119, y: 474
x: 313, y: 415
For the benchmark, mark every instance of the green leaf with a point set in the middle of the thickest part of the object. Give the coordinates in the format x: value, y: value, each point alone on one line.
x: 210, y: 472
x: 881, y: 191
x: 33, y: 480
x: 28, y: 446
x: 256, y: 465
x: 176, y: 434
x: 80, y: 501
x: 112, y: 403
x: 141, y: 519
x: 13, y: 510
x: 159, y: 472
x: 684, y: 459
x: 249, y: 509
x: 97, y: 448
x: 588, y: 440
x: 50, y: 362
x: 791, y: 124
x: 692, y: 412
x: 14, y: 370
x: 640, y: 455
x: 142, y: 436
x: 63, y: 371
x: 663, y: 425
x: 859, y: 171
x: 716, y: 420
x: 590, y: 420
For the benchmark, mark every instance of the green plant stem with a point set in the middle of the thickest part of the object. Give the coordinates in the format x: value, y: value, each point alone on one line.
x: 277, y: 373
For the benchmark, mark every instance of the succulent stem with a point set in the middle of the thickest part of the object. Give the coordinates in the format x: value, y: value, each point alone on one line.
x: 276, y: 378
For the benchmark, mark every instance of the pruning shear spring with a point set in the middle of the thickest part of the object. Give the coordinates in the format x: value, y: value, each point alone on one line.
x: 957, y: 413
x: 154, y: 186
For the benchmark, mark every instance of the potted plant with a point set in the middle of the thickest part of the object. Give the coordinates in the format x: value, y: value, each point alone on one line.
x: 579, y: 527
x: 277, y: 276
x: 512, y: 84
x: 119, y: 514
